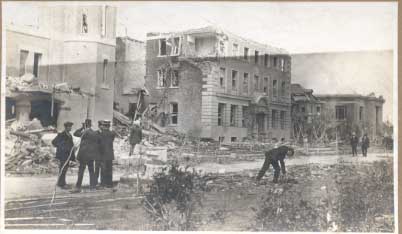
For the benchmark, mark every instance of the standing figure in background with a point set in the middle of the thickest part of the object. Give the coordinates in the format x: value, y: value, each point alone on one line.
x: 353, y: 142
x: 87, y: 154
x: 64, y: 152
x: 107, y: 138
x: 365, y: 144
x: 99, y: 163
x: 135, y: 135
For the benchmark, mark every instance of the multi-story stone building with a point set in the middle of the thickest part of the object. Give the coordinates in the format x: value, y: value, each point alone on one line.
x: 213, y: 84
x: 361, y: 114
x: 70, y: 53
x: 306, y: 109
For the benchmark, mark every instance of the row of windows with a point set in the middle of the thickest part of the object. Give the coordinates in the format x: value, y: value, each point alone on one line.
x: 171, y: 47
x: 276, y: 120
x: 257, y: 83
x: 268, y: 60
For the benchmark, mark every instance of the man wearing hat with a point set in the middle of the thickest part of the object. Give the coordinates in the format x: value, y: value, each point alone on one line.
x: 99, y: 163
x: 88, y: 153
x: 365, y: 144
x: 353, y: 142
x: 135, y: 135
x: 107, y: 137
x: 64, y: 152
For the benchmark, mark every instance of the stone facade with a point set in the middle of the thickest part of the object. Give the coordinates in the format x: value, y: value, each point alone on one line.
x: 225, y: 87
x: 362, y: 114
x: 130, y: 73
x: 68, y: 46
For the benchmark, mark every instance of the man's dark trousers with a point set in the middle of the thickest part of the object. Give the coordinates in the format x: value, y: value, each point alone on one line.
x: 265, y: 167
x: 62, y: 178
x: 354, y: 150
x: 364, y: 151
x: 108, y: 173
x: 81, y: 170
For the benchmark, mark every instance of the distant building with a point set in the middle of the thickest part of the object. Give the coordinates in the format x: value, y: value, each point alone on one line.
x: 61, y: 64
x: 212, y: 84
x: 360, y: 114
x: 305, y: 109
x: 130, y: 74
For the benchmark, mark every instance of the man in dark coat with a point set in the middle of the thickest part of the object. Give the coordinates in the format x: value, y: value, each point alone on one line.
x: 87, y: 154
x: 365, y: 144
x: 99, y: 163
x: 107, y: 152
x: 135, y: 135
x: 274, y: 157
x: 353, y: 142
x: 64, y: 152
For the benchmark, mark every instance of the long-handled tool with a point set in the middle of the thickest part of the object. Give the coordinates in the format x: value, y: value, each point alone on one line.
x: 58, y: 177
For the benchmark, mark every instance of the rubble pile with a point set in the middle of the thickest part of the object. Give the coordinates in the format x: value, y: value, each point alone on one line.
x: 26, y: 152
x: 16, y: 83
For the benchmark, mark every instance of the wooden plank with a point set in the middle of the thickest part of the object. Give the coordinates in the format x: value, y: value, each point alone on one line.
x: 29, y: 218
x: 30, y: 207
x: 48, y: 224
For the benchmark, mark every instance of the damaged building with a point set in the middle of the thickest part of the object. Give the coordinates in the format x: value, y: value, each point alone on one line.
x: 358, y: 113
x: 130, y: 74
x: 306, y: 109
x: 60, y: 64
x: 212, y: 84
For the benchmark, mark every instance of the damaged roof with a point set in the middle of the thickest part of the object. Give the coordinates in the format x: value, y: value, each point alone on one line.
x: 219, y: 31
x: 299, y: 93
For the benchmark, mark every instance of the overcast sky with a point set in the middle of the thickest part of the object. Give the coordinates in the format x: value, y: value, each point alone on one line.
x: 295, y: 26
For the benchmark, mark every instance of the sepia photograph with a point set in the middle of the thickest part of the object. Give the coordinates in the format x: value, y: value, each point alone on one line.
x: 199, y: 116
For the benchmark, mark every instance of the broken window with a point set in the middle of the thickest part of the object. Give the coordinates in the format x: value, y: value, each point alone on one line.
x: 175, y: 79
x: 84, y: 26
x: 175, y: 46
x: 283, y: 88
x: 222, y: 75
x: 274, y: 119
x: 266, y: 60
x: 23, y: 61
x: 340, y: 112
x: 162, y: 47
x: 245, y: 83
x: 266, y: 85
x: 244, y: 116
x: 282, y: 64
x: 221, y: 114
x: 235, y: 50
x: 283, y: 113
x: 233, y: 139
x: 37, y: 59
x: 161, y: 78
x: 104, y: 78
x: 234, y: 80
x: 275, y: 88
x: 174, y: 113
x: 221, y: 139
x: 318, y: 109
x: 256, y: 82
x: 245, y: 56
x: 233, y: 115
x: 222, y: 47
x: 275, y: 62
x: 361, y: 113
x: 256, y: 57
x: 303, y: 109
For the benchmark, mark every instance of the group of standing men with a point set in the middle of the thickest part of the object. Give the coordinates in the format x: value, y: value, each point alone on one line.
x: 354, y: 141
x: 95, y: 152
